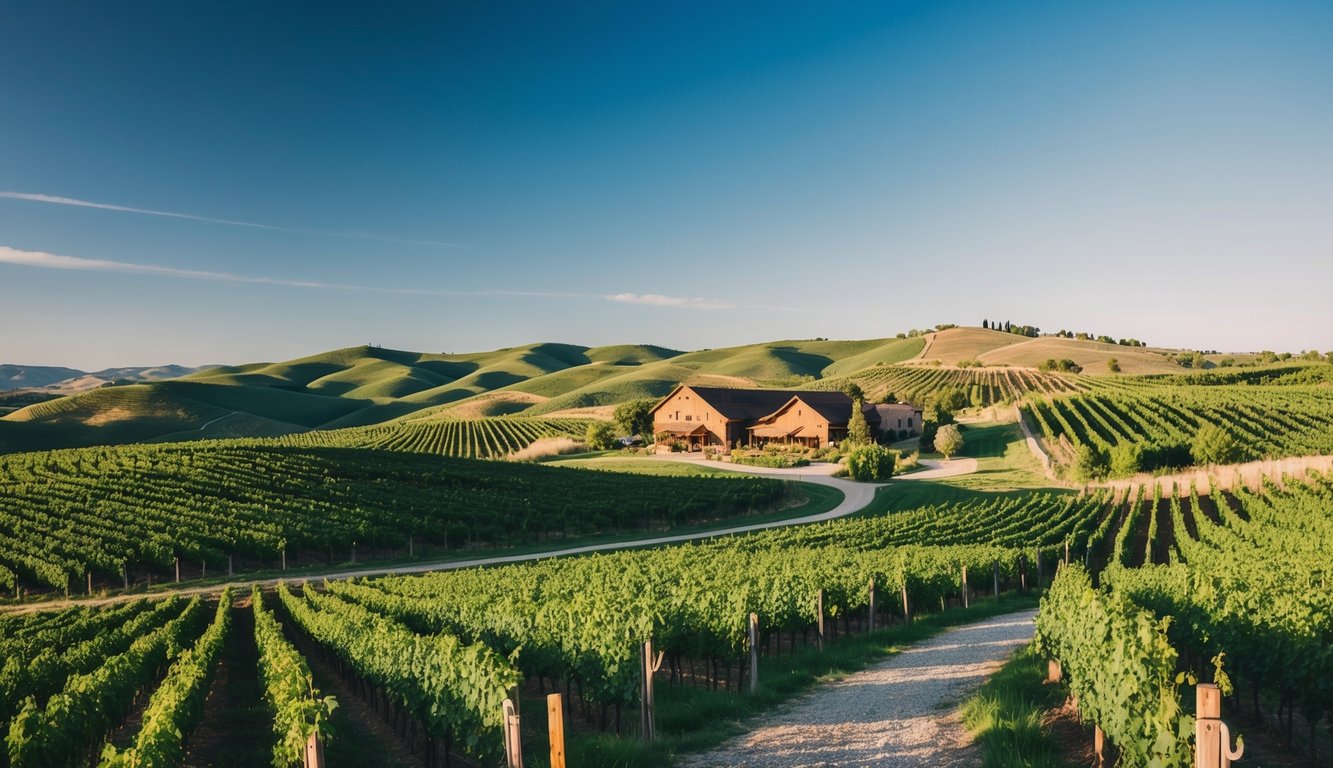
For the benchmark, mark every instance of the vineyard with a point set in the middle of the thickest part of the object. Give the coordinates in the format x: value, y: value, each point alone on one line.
x: 1263, y: 421
x: 436, y: 654
x: 116, y: 516
x: 468, y: 439
x: 983, y: 387
x: 1240, y: 599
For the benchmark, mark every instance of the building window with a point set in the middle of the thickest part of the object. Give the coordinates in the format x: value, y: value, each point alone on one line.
x: 900, y: 423
x: 689, y: 417
x: 909, y: 422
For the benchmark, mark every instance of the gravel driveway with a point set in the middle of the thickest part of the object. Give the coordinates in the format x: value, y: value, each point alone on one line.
x: 899, y: 713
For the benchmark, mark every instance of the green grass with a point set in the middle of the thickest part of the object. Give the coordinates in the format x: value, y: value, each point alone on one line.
x: 1003, y: 459
x: 690, y: 720
x: 1005, y: 715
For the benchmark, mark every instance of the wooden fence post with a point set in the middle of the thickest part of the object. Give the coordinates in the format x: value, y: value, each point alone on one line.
x: 995, y: 576
x: 1023, y: 573
x: 284, y: 558
x: 872, y: 605
x: 314, y: 751
x: 178, y: 570
x: 754, y: 652
x: 230, y: 572
x: 1212, y: 738
x: 555, y: 728
x: 1041, y: 581
x: 965, y: 586
x: 1099, y: 745
x: 513, y: 739
x: 819, y: 620
x: 650, y: 663
x: 907, y: 613
x: 1053, y: 671
x: 1066, y: 551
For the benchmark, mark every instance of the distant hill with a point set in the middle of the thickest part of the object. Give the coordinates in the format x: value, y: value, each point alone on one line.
x: 72, y: 380
x: 363, y: 386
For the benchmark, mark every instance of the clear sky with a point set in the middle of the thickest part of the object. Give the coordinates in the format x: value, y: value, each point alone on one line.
x: 464, y: 176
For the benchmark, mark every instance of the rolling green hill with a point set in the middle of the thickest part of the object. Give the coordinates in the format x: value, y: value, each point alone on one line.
x: 368, y: 386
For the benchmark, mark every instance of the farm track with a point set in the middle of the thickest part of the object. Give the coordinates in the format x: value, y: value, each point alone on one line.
x: 899, y: 713
x: 856, y: 496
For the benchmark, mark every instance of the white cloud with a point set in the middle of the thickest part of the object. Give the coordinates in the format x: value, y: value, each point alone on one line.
x: 658, y: 300
x: 33, y: 197
x: 44, y: 260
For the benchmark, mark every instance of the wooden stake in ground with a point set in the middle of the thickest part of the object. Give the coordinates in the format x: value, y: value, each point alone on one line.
x: 907, y: 613
x: 513, y: 738
x: 995, y: 576
x: 314, y: 752
x: 650, y: 662
x: 1212, y: 738
x: 872, y: 606
x: 819, y: 619
x: 965, y: 586
x: 555, y: 728
x: 754, y: 652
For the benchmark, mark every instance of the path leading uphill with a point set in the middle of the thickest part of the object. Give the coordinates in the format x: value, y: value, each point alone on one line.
x: 900, y: 713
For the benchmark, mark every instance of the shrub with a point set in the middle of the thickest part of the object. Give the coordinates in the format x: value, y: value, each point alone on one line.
x: 601, y: 436
x: 772, y: 460
x: 1089, y: 464
x: 1126, y: 459
x: 1113, y: 365
x: 870, y: 463
x: 906, y: 462
x: 1214, y: 445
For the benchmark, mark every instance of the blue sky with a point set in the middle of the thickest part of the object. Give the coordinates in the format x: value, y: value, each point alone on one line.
x: 455, y: 177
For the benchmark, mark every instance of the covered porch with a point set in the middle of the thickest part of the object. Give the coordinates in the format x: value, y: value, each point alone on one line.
x: 693, y: 434
x: 764, y: 434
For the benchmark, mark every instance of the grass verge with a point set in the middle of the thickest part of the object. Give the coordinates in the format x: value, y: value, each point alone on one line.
x: 1005, y: 715
x: 690, y: 720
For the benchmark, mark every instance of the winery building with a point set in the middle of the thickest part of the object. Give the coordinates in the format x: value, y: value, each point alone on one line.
x: 702, y: 417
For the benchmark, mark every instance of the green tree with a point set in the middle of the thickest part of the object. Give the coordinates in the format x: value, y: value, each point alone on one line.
x: 1089, y: 464
x: 870, y: 463
x: 854, y: 391
x: 1113, y: 365
x: 1214, y: 445
x: 858, y: 431
x: 1126, y: 459
x: 600, y: 436
x: 635, y: 418
x: 949, y: 440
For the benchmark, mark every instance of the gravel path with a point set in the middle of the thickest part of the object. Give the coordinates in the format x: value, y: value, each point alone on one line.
x: 900, y: 713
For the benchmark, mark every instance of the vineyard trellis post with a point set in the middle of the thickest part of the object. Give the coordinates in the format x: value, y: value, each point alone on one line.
x: 965, y: 604
x: 90, y: 582
x: 314, y: 751
x: 650, y: 663
x: 1212, y: 738
x: 513, y: 740
x: 872, y: 606
x: 555, y: 728
x: 995, y: 577
x: 819, y: 619
x: 754, y: 652
x: 230, y: 572
x: 907, y: 613
x: 178, y: 574
x: 1041, y: 581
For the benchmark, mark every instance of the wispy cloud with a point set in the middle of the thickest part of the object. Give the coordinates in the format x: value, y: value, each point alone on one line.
x: 678, y: 302
x: 44, y: 260
x: 55, y: 200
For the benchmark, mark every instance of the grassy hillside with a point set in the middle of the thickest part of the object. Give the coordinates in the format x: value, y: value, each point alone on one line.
x: 368, y: 386
x: 997, y: 348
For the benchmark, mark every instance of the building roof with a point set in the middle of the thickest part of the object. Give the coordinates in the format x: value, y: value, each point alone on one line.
x: 681, y: 428
x: 741, y: 404
x: 835, y: 407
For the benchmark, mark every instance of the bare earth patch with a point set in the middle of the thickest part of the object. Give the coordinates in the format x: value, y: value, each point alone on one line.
x: 109, y: 415
x: 900, y: 713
